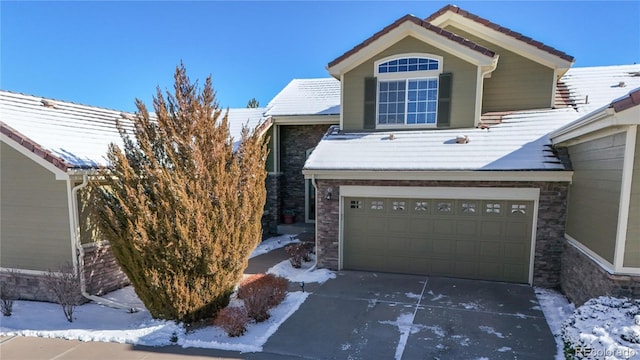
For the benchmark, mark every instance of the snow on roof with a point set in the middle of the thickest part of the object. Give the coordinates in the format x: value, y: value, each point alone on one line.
x: 79, y: 135
x: 307, y: 97
x: 600, y: 85
x: 520, y: 142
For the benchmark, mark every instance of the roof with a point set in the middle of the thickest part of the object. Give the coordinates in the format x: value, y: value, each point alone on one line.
x: 419, y: 22
x: 71, y: 135
x: 307, y: 97
x: 520, y: 142
x: 502, y: 29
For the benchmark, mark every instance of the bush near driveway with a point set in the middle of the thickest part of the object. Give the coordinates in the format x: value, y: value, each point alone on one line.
x: 260, y: 293
x: 604, y: 327
x: 233, y: 320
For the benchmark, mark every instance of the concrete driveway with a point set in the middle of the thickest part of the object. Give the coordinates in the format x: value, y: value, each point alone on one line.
x: 363, y: 315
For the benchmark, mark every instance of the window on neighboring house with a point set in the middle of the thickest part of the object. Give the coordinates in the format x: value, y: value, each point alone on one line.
x: 407, y: 90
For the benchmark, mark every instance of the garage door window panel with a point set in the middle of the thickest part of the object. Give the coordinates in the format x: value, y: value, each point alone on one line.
x: 468, y: 208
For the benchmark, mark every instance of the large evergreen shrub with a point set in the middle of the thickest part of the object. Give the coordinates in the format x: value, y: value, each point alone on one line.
x: 180, y: 206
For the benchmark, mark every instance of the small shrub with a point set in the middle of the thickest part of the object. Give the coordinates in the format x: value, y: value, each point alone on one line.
x: 262, y: 292
x: 65, y: 287
x: 298, y: 253
x: 8, y: 292
x: 233, y: 320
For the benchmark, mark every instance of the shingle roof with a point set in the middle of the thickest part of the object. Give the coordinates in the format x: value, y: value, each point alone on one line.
x: 71, y: 135
x: 520, y: 142
x: 307, y: 97
x: 502, y: 29
x: 424, y: 24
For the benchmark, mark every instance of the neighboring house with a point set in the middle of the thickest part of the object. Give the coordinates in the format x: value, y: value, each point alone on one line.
x: 602, y: 251
x: 442, y: 162
x: 49, y: 149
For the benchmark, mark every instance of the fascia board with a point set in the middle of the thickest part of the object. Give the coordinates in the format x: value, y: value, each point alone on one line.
x: 59, y: 173
x: 556, y: 176
x: 597, y: 121
x: 306, y: 119
x: 508, y: 42
x: 410, y: 29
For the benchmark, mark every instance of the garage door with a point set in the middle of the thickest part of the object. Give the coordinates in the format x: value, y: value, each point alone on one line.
x: 477, y: 239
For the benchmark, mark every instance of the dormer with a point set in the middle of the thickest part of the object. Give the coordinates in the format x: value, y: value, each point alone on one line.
x: 528, y: 70
x: 443, y: 73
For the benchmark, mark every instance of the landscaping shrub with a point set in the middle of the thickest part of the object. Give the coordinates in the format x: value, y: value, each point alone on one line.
x: 260, y: 293
x: 8, y: 292
x: 65, y: 287
x: 181, y: 201
x: 233, y: 320
x: 298, y: 253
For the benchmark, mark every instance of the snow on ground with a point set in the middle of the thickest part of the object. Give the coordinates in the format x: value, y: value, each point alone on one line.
x: 306, y: 274
x: 93, y: 322
x: 556, y: 309
x: 274, y: 243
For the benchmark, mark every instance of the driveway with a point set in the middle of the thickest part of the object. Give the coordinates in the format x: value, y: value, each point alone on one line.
x: 365, y: 315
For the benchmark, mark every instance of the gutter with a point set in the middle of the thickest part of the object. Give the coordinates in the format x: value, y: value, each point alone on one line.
x: 78, y: 245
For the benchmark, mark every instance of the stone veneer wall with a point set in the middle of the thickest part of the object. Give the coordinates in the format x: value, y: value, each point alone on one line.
x: 101, y: 270
x: 271, y: 218
x: 102, y: 274
x: 549, y: 229
x: 583, y: 279
x: 295, y: 140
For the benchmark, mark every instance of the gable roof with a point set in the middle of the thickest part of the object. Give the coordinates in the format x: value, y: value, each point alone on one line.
x: 446, y: 38
x: 75, y: 136
x: 514, y: 34
x: 307, y: 97
x: 520, y: 142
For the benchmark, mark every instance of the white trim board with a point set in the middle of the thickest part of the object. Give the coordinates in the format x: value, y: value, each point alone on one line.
x: 435, y: 175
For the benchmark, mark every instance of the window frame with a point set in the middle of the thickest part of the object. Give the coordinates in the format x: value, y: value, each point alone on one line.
x: 407, y: 76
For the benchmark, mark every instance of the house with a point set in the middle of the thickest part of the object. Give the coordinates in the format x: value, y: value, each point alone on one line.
x: 443, y: 162
x: 447, y: 146
x: 49, y: 149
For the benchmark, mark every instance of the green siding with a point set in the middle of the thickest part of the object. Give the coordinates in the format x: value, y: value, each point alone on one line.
x: 464, y: 84
x: 632, y: 246
x: 594, y: 195
x: 34, y: 215
x: 517, y: 83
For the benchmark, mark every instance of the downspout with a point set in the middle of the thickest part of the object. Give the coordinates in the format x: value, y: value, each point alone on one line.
x: 315, y: 187
x: 78, y: 244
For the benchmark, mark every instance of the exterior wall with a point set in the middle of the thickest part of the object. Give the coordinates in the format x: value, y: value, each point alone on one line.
x: 101, y: 270
x: 583, y: 279
x: 463, y: 88
x: 594, y: 195
x: 632, y: 246
x: 34, y: 214
x: 295, y: 140
x: 549, y: 234
x: 271, y: 218
x: 31, y: 287
x: 517, y: 83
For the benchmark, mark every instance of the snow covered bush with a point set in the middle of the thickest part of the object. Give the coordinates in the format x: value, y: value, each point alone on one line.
x: 603, y: 328
x: 262, y: 292
x: 233, y: 320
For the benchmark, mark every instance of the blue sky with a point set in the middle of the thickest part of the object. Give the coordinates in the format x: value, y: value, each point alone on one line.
x: 107, y: 53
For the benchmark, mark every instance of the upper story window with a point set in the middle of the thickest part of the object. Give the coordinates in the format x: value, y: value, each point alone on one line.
x: 407, y: 90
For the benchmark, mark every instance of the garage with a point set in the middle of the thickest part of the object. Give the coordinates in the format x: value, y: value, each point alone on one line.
x: 467, y: 238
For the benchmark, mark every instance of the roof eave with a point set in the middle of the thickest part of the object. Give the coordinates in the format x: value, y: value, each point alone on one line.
x: 412, y: 26
x: 442, y: 175
x: 511, y: 40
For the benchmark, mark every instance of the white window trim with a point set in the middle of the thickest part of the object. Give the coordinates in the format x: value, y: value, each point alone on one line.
x: 407, y: 75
